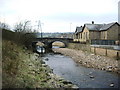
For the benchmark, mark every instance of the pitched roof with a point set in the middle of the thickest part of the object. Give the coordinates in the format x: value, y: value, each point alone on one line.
x: 78, y: 29
x: 99, y: 27
x: 106, y: 26
x: 95, y: 27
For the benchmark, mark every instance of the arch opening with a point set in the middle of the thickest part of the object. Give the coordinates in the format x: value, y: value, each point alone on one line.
x: 40, y: 44
x: 58, y: 44
x: 38, y: 47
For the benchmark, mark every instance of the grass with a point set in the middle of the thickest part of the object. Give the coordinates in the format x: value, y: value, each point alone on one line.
x: 9, y: 56
x: 16, y: 69
x: 23, y: 69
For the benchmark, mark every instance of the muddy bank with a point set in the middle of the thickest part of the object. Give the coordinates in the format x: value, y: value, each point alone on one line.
x: 90, y: 60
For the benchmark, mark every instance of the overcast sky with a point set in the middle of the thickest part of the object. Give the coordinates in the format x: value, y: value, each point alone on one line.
x: 59, y: 15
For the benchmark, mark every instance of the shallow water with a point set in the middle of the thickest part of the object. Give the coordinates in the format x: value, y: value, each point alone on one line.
x: 83, y: 77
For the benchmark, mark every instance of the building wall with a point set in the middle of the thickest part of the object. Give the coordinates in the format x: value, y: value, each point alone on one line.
x: 80, y: 37
x: 119, y: 33
x: 94, y: 35
x: 103, y: 35
x: 87, y: 35
x: 112, y: 33
x: 75, y: 38
x: 84, y: 36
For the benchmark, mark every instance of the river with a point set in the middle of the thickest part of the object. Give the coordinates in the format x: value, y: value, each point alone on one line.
x: 81, y: 76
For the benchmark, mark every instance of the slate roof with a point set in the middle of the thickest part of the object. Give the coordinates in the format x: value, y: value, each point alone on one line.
x: 95, y: 27
x: 78, y: 29
x: 106, y: 26
x: 99, y: 27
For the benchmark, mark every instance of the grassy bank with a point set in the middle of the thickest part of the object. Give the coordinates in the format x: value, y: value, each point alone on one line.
x: 23, y: 69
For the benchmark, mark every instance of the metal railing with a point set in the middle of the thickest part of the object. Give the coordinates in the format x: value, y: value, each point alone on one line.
x: 102, y: 42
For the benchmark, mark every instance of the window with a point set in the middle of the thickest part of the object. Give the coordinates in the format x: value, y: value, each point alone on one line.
x: 86, y: 35
x: 104, y: 35
x: 81, y: 35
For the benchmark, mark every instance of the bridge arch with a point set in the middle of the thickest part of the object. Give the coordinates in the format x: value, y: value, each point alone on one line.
x: 58, y: 44
x: 49, y: 41
x: 39, y: 43
x: 50, y: 44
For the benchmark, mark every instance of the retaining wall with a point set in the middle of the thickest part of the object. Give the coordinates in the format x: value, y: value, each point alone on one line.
x: 106, y: 52
x: 96, y: 50
x: 78, y: 46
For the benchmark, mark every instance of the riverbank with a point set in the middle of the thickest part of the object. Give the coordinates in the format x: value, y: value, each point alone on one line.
x: 21, y: 68
x: 90, y: 60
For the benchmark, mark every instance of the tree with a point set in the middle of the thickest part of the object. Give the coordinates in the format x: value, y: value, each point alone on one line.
x: 23, y: 27
x: 23, y: 31
x: 4, y: 26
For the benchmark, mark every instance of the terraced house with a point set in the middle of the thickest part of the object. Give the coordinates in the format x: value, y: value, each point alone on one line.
x: 93, y: 31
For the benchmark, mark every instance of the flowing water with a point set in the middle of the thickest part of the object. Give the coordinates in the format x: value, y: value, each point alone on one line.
x: 83, y: 77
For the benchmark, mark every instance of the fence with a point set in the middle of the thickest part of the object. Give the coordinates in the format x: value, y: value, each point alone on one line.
x: 113, y: 53
x: 106, y: 52
x: 103, y: 42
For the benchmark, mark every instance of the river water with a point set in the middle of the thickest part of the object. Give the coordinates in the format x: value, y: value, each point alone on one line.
x: 81, y: 76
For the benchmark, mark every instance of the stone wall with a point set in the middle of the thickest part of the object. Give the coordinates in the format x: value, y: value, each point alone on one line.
x: 99, y: 51
x: 112, y: 33
x: 106, y: 52
x: 78, y: 46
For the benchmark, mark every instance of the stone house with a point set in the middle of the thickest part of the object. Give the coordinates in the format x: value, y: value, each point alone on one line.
x: 93, y: 31
x: 110, y: 31
x: 77, y: 33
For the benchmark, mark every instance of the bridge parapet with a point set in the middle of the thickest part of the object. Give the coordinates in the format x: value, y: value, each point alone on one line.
x: 48, y: 41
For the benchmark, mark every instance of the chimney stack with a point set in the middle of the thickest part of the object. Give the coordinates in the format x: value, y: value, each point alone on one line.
x: 92, y: 22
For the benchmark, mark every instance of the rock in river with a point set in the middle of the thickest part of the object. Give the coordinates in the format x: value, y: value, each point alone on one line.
x: 46, y: 59
x: 112, y: 85
x: 91, y: 76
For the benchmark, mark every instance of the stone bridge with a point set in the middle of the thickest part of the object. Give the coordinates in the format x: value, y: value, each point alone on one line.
x: 48, y: 41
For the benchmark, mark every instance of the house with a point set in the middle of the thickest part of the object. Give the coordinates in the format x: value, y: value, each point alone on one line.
x: 77, y: 33
x: 93, y: 31
x: 110, y: 31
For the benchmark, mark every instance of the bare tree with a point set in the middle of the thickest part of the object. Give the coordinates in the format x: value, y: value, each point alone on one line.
x: 23, y: 27
x: 18, y: 27
x: 4, y: 26
x: 24, y: 32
